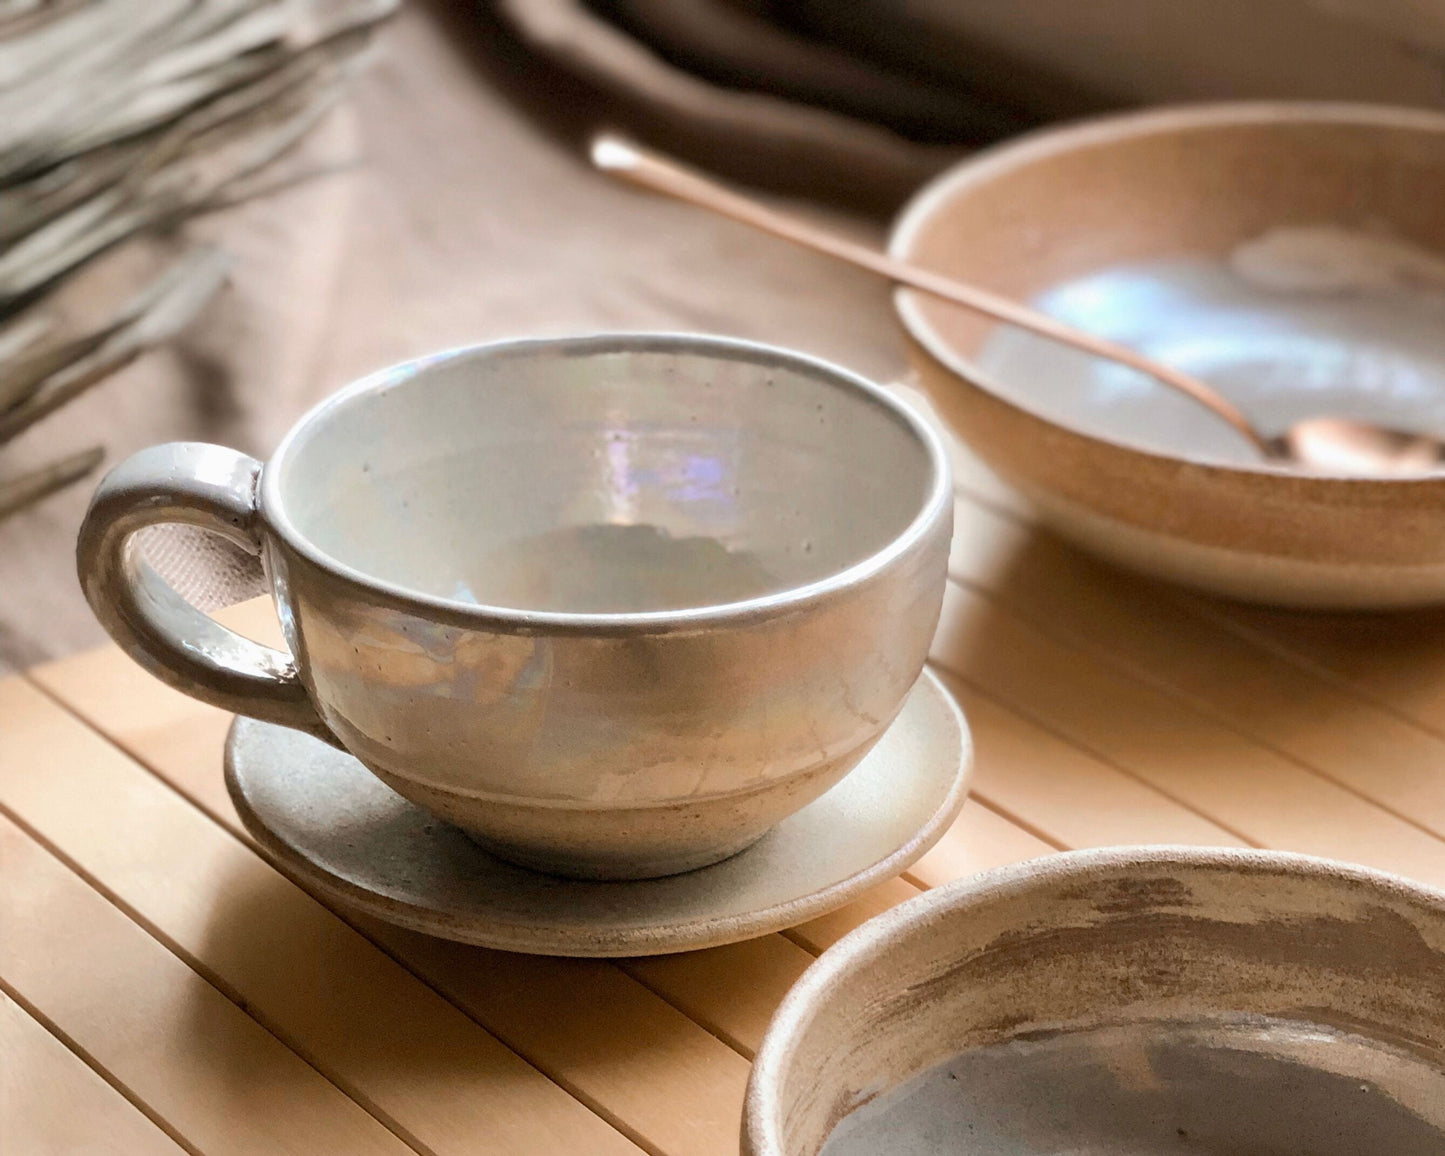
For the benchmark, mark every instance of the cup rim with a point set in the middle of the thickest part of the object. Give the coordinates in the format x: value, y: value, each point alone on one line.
x: 939, y: 494
x: 763, y: 1106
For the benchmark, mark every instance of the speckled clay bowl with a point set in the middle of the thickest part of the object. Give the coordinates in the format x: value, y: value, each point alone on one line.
x: 1129, y: 470
x: 1129, y: 1000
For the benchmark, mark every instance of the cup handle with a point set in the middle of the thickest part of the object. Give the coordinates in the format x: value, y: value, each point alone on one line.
x: 192, y: 484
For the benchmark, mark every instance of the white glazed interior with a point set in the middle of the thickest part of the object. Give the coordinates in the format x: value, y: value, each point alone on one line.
x: 721, y: 476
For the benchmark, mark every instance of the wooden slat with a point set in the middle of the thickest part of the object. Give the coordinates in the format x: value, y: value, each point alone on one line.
x: 734, y: 990
x: 817, y: 935
x: 155, y: 1027
x: 1243, y: 787
x: 1153, y: 633
x: 979, y: 839
x: 731, y: 990
x: 53, y: 1104
x: 1069, y: 797
x: 999, y: 844
x: 369, y: 1024
x: 1395, y: 659
x: 634, y: 1057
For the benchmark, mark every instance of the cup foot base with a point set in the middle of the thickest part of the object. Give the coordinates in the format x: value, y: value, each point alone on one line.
x: 568, y: 867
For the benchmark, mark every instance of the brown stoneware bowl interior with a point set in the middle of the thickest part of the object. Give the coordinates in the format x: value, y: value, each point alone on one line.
x: 1137, y: 1000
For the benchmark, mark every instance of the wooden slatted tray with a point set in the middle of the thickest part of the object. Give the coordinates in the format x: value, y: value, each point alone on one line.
x: 163, y: 988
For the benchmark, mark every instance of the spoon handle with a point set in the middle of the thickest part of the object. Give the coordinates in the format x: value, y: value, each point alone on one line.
x: 623, y: 159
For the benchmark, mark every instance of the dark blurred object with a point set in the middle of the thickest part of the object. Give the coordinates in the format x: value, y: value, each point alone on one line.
x: 859, y: 101
x: 746, y: 133
x: 738, y: 46
x: 1064, y: 58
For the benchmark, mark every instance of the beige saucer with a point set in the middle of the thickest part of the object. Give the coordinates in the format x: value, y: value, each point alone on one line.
x: 346, y: 835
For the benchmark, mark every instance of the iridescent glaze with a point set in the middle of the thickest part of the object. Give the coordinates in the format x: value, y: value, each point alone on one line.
x: 1371, y: 352
x: 791, y: 520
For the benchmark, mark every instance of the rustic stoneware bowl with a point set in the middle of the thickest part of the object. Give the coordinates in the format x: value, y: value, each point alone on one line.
x: 1136, y: 226
x: 614, y: 605
x: 1135, y: 1000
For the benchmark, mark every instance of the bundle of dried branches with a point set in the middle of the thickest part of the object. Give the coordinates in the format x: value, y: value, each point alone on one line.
x: 120, y: 118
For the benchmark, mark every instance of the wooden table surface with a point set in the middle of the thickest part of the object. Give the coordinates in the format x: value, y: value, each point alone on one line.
x: 165, y: 989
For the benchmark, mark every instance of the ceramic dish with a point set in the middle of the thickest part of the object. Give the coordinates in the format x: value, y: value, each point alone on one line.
x: 1139, y: 1001
x: 1292, y: 254
x: 613, y: 604
x: 345, y: 834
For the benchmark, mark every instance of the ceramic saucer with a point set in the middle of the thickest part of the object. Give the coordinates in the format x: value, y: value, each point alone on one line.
x: 344, y: 834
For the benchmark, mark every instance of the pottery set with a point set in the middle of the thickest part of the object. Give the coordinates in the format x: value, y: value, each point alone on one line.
x: 615, y: 645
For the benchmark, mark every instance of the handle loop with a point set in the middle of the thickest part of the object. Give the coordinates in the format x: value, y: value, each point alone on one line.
x: 193, y: 484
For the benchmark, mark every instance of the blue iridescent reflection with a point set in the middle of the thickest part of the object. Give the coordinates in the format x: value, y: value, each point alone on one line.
x: 1282, y: 356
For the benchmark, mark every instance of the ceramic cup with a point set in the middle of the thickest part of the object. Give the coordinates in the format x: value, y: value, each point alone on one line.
x: 614, y: 605
x: 1129, y: 1000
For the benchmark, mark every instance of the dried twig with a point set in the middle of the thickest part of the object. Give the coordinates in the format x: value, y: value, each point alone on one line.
x: 120, y: 117
x: 22, y: 334
x: 161, y: 311
x: 17, y: 493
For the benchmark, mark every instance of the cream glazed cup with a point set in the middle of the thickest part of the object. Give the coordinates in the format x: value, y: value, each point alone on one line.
x: 615, y: 605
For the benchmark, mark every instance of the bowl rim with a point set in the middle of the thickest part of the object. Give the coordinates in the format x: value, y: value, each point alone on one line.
x: 936, y: 501
x: 763, y: 1109
x: 1026, y: 148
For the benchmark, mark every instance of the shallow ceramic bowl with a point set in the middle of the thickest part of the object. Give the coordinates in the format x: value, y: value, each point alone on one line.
x: 1137, y: 474
x: 1127, y: 1000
